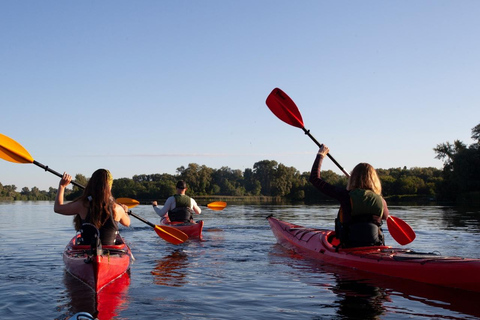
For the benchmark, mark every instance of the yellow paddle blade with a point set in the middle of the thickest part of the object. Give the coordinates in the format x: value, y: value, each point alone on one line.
x: 130, y: 203
x: 171, y: 234
x: 217, y: 205
x: 12, y: 151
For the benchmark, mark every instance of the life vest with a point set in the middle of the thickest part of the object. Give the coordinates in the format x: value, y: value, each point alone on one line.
x: 182, y: 211
x: 362, y: 228
x: 367, y: 206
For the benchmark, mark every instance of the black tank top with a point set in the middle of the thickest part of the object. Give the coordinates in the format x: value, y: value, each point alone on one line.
x: 108, y: 231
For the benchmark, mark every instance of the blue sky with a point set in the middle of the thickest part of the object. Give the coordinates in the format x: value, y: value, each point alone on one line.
x: 149, y: 86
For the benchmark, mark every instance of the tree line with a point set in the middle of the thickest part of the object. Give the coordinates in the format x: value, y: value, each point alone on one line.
x: 460, y: 178
x: 267, y: 178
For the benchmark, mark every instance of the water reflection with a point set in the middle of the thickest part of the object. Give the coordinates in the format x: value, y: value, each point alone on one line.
x: 464, y: 218
x: 171, y: 270
x: 371, y: 296
x: 104, y: 305
x: 356, y: 298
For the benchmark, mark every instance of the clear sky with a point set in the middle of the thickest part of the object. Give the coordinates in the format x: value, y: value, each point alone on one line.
x: 142, y: 87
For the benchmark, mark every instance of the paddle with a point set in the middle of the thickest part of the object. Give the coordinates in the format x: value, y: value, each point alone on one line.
x: 286, y: 110
x: 217, y: 205
x: 400, y: 230
x: 12, y: 151
x: 170, y: 234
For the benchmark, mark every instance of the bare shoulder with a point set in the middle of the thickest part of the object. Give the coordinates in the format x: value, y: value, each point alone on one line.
x: 118, y: 212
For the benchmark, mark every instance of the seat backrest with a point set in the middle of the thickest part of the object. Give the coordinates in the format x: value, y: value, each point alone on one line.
x: 89, y: 234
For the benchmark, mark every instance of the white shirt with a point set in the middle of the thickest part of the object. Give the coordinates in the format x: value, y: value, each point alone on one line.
x: 171, y: 204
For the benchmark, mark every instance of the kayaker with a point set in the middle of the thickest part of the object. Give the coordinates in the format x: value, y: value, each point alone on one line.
x: 178, y: 207
x: 96, y: 206
x: 362, y: 208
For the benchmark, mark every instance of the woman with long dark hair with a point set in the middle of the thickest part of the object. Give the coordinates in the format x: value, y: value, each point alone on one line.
x: 96, y: 206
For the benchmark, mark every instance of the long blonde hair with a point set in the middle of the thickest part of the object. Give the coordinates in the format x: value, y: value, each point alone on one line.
x: 364, y: 176
x: 97, y: 196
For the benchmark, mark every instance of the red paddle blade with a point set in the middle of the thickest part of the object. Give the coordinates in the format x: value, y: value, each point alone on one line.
x: 400, y: 230
x: 284, y: 108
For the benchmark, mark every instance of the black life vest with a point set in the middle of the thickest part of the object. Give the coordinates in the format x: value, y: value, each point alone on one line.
x: 362, y: 228
x: 182, y: 211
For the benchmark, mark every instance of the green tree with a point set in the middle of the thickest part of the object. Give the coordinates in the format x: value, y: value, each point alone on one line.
x: 263, y: 172
x: 461, y: 171
x: 197, y: 177
x: 252, y: 186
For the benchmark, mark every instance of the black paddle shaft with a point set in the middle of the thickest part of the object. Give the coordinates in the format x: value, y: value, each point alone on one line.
x: 46, y: 168
x: 141, y: 219
x: 307, y: 132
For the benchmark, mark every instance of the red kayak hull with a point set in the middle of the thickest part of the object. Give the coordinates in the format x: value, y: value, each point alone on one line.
x: 453, y: 272
x: 193, y: 230
x: 97, y: 271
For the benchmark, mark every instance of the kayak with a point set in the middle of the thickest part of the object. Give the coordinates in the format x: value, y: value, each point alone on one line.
x: 192, y: 230
x: 105, y: 304
x: 97, y: 266
x: 431, y: 268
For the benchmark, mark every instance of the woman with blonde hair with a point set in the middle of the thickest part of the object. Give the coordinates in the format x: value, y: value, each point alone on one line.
x: 95, y: 207
x: 362, y: 207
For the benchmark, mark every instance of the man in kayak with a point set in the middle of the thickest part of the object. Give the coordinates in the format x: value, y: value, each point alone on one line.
x: 362, y: 208
x: 96, y: 206
x: 178, y: 207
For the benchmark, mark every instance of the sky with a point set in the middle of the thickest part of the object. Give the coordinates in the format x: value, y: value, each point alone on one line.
x: 141, y: 87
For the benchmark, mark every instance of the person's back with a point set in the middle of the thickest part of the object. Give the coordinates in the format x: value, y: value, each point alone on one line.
x: 363, y: 227
x: 362, y: 207
x: 108, y: 230
x: 182, y: 211
x: 96, y: 206
x: 179, y: 207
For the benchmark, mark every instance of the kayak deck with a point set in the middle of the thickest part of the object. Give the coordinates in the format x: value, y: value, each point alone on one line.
x: 454, y: 272
x: 97, y: 271
x: 193, y: 230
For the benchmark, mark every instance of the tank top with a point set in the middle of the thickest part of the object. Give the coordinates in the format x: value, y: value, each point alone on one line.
x: 108, y: 231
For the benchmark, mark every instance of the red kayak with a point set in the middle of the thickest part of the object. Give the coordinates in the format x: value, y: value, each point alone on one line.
x: 453, y: 272
x: 192, y: 230
x: 97, y: 266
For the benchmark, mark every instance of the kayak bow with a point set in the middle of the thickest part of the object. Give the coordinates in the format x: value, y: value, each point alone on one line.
x: 453, y: 272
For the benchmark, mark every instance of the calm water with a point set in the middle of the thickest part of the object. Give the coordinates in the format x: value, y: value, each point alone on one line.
x: 238, y: 272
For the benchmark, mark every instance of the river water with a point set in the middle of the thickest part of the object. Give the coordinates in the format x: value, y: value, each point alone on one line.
x: 237, y: 272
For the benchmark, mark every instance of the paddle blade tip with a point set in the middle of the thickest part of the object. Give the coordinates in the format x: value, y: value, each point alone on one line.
x: 217, y: 205
x: 171, y: 234
x: 284, y: 108
x: 128, y: 202
x: 400, y: 230
x: 11, y: 150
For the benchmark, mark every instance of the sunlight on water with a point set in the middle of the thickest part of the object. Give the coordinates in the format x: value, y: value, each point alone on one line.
x: 238, y: 272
